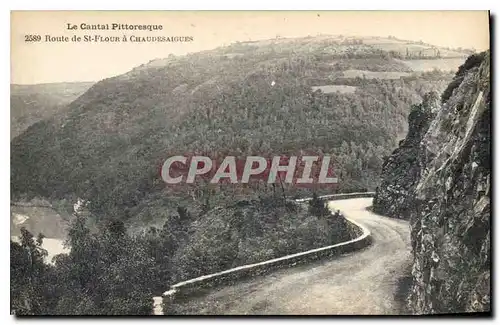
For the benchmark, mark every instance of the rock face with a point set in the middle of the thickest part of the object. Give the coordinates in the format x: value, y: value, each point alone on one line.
x: 439, y: 179
x: 401, y: 170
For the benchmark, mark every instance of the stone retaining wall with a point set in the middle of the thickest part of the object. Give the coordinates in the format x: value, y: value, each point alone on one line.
x: 189, y: 287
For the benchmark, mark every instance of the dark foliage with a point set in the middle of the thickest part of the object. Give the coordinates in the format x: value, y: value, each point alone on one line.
x: 317, y: 207
x: 140, y: 235
x: 115, y: 273
x: 110, y: 145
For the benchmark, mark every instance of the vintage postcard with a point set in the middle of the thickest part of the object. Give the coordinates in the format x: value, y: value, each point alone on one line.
x: 250, y: 163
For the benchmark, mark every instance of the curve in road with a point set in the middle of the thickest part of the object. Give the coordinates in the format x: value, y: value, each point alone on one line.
x: 362, y: 282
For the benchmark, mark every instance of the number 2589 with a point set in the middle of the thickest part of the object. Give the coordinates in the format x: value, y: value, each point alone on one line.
x: 32, y: 38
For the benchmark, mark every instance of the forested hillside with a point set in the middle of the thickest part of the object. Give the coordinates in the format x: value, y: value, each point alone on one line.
x: 32, y: 103
x: 338, y: 97
x: 112, y: 272
x: 247, y: 98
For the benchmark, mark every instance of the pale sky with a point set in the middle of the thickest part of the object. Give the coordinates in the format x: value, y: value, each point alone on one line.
x: 42, y: 62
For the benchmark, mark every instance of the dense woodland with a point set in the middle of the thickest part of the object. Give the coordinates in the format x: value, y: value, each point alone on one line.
x: 112, y: 272
x: 139, y: 235
x: 109, y: 147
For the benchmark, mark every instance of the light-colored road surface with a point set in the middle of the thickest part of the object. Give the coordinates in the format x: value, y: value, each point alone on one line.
x: 362, y: 282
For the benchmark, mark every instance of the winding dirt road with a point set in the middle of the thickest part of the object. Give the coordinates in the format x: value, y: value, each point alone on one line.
x: 362, y: 282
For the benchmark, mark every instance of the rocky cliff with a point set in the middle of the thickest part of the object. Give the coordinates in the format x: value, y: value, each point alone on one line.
x: 400, y: 170
x: 439, y: 179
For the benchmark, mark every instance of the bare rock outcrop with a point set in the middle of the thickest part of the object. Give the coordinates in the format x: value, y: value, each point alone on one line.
x: 440, y: 178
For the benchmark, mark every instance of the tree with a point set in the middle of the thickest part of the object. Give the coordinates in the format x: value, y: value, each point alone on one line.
x: 28, y: 274
x: 317, y: 207
x: 109, y: 273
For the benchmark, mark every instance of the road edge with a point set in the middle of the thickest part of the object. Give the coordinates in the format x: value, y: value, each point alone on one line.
x: 185, y: 288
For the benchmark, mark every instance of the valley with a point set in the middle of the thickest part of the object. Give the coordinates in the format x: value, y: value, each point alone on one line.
x: 87, y: 161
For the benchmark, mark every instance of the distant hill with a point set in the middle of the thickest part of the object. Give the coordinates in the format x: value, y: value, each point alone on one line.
x: 32, y: 103
x: 345, y: 97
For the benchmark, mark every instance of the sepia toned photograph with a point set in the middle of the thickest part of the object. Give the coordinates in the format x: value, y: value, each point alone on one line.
x: 284, y: 163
